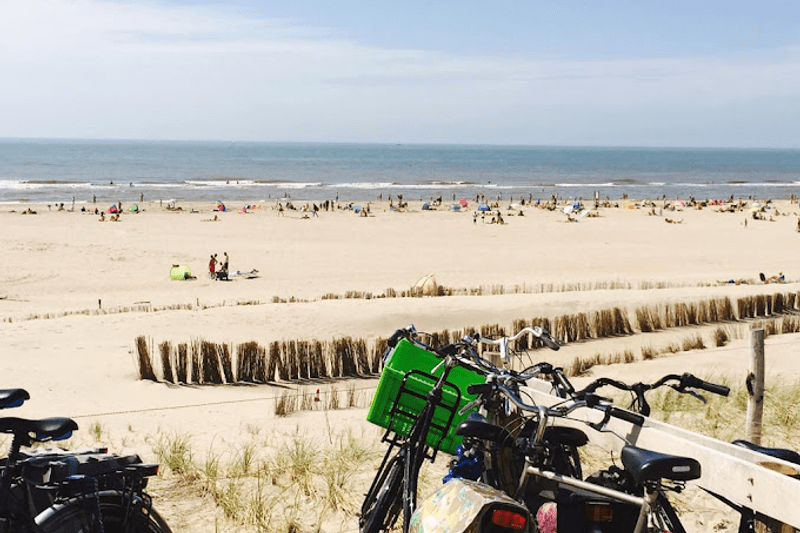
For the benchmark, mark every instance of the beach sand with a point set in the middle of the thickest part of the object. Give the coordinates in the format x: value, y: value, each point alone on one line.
x: 79, y: 291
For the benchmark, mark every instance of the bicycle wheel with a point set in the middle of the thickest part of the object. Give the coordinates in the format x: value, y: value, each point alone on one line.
x: 76, y: 515
x: 383, y: 505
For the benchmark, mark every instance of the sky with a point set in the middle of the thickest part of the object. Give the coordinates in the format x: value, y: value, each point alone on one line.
x: 701, y: 73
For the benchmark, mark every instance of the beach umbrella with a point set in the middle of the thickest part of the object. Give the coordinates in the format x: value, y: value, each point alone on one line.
x: 463, y: 202
x: 569, y: 209
x: 483, y: 207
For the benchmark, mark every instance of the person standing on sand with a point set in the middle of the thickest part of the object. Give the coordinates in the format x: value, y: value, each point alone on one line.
x: 212, y: 266
x: 225, y: 263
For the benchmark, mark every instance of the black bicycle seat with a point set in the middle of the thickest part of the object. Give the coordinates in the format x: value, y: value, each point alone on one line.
x: 779, y: 453
x: 13, y: 397
x: 645, y: 465
x: 566, y: 435
x: 475, y: 425
x: 41, y: 430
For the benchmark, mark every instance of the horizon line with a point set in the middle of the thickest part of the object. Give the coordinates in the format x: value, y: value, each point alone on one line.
x: 389, y: 143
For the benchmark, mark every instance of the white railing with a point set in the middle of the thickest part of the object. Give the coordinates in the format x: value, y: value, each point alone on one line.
x: 728, y: 470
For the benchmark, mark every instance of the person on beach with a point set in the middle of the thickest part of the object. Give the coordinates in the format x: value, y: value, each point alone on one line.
x: 212, y: 266
x: 225, y: 263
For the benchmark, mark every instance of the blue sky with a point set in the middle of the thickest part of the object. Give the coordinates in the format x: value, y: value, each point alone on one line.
x: 542, y: 73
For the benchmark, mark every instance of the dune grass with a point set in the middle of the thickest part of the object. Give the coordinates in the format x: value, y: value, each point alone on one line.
x: 295, y: 486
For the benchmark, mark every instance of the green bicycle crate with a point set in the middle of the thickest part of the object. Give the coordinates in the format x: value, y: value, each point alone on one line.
x: 408, y: 357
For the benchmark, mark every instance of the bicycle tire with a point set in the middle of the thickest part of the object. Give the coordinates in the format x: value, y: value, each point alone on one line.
x: 382, y: 507
x: 72, y: 516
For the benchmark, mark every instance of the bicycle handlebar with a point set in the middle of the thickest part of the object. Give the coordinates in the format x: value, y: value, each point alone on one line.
x: 685, y: 383
x: 590, y: 400
x: 536, y: 331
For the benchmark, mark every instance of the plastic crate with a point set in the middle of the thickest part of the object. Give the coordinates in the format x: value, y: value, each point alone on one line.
x: 402, y: 390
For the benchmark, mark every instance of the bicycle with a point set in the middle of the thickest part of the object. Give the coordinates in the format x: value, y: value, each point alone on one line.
x: 394, y: 488
x: 684, y: 383
x: 68, y: 492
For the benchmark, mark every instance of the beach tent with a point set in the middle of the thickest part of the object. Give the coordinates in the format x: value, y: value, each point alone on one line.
x: 180, y: 272
x: 567, y: 210
x: 463, y: 202
x: 356, y: 209
x: 484, y: 207
x: 134, y: 208
x: 426, y: 206
x: 455, y: 207
x: 220, y: 206
x: 113, y: 209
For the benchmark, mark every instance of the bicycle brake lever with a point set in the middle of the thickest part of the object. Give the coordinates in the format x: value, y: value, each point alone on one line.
x: 697, y: 395
x: 469, y: 406
x: 690, y: 392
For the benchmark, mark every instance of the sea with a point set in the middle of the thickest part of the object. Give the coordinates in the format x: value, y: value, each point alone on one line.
x: 63, y: 171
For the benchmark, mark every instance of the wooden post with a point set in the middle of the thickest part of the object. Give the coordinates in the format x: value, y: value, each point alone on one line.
x: 755, y: 387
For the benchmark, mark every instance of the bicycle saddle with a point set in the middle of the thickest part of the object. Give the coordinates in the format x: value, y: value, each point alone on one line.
x: 566, y: 435
x: 645, y: 465
x: 780, y: 453
x: 41, y: 430
x: 476, y: 425
x: 13, y: 397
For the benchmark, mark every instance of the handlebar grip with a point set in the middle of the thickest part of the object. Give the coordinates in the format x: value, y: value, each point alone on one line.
x: 480, y: 388
x: 396, y: 336
x: 450, y: 349
x: 722, y: 390
x: 548, y: 340
x: 627, y: 416
x: 697, y: 383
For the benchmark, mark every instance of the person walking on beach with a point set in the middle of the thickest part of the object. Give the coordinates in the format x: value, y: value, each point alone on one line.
x: 212, y: 266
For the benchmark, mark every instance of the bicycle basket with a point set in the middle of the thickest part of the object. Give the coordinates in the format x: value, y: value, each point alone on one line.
x: 404, y: 384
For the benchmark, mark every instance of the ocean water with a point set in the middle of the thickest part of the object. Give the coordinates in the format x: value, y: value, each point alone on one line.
x: 250, y: 172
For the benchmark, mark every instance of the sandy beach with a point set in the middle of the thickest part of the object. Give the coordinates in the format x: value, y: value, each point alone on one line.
x: 79, y: 291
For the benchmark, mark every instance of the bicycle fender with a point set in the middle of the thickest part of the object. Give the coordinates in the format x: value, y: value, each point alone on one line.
x: 461, y: 505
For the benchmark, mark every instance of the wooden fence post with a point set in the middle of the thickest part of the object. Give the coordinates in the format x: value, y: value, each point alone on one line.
x: 755, y: 387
